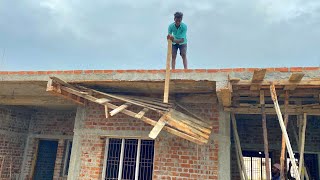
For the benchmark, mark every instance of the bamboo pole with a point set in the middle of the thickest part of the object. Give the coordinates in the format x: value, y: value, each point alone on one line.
x: 167, y: 79
x: 265, y: 134
x: 303, y: 135
x: 237, y: 143
x: 283, y: 142
x: 283, y: 128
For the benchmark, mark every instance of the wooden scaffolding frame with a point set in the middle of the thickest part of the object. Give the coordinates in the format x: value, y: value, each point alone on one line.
x: 260, y: 96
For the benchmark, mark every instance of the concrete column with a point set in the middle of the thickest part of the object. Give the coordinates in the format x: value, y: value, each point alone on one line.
x: 75, y: 159
x: 224, y: 145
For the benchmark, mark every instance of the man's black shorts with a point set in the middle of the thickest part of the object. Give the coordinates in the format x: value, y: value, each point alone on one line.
x: 182, y: 48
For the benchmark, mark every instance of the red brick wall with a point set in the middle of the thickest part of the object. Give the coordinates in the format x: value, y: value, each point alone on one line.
x: 13, y: 130
x: 50, y: 122
x: 270, y: 69
x: 251, y: 137
x: 175, y: 158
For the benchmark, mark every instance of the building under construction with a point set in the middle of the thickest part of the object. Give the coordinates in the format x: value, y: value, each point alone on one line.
x: 113, y: 124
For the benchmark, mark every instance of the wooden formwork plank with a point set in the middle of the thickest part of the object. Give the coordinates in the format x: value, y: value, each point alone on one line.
x: 294, y: 78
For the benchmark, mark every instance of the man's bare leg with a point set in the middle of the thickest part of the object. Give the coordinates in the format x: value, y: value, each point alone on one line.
x: 185, y: 61
x: 173, y: 62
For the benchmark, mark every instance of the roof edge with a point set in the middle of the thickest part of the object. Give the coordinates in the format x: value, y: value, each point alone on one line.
x: 271, y: 69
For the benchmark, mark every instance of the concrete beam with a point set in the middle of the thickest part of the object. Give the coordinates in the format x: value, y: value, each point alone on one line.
x: 224, y: 145
x: 75, y: 159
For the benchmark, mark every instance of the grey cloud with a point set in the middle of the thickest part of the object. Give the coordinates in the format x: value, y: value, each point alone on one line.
x: 126, y: 34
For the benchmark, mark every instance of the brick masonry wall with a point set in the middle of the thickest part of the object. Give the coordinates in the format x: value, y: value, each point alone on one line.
x: 270, y: 69
x: 49, y: 122
x: 251, y: 137
x: 175, y: 158
x: 13, y: 130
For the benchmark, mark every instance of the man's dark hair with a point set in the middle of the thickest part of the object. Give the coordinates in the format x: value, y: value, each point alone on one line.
x: 178, y: 15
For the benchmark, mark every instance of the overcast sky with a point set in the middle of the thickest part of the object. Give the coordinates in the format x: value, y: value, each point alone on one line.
x: 131, y: 34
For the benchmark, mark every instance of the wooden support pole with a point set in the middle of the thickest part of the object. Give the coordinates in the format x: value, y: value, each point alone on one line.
x: 303, y: 135
x: 297, y: 141
x: 237, y: 143
x: 167, y: 79
x: 265, y: 134
x: 283, y: 142
x: 283, y: 128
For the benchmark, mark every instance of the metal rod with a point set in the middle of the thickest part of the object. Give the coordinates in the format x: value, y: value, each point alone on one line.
x: 121, y: 159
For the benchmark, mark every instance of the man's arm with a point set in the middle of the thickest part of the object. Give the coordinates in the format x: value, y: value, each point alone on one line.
x: 183, y: 34
x: 178, y: 41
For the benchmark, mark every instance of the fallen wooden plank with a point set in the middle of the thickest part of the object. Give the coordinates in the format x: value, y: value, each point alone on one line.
x: 146, y: 100
x: 169, y: 129
x: 119, y: 109
x: 149, y: 106
x: 167, y: 78
x: 202, y: 126
x: 283, y: 129
x: 157, y: 128
x: 102, y: 100
x: 185, y: 128
x: 172, y: 122
x: 141, y: 113
x: 196, y: 138
x: 190, y: 113
x: 58, y: 91
x: 62, y: 82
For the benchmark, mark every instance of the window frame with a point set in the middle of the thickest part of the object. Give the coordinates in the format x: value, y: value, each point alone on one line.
x: 122, y: 156
x: 256, y: 154
x: 65, y: 157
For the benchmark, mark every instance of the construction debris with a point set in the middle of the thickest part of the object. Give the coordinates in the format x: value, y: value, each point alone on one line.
x: 189, y: 127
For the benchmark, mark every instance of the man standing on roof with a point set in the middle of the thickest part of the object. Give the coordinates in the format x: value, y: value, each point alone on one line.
x: 177, y: 32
